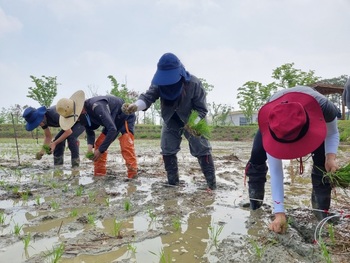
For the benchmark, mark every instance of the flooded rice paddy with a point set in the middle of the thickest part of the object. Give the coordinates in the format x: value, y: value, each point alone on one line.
x: 60, y: 214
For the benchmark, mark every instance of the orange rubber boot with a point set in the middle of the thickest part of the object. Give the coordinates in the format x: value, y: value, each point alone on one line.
x: 128, y: 152
x: 100, y: 168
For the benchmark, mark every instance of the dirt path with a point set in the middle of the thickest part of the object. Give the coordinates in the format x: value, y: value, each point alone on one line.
x: 108, y: 219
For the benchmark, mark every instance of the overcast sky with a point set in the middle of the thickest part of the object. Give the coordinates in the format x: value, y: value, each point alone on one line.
x: 226, y: 42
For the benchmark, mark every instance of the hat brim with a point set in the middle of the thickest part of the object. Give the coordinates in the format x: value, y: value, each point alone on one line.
x: 314, y: 137
x: 40, y: 116
x: 167, y: 77
x: 79, y: 99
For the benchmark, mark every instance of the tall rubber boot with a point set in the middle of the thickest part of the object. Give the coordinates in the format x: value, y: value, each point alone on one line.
x: 58, y: 160
x: 171, y: 168
x: 75, y: 162
x: 100, y: 166
x: 207, y: 165
x: 256, y: 184
x: 127, y: 149
x: 75, y: 158
x: 321, y: 194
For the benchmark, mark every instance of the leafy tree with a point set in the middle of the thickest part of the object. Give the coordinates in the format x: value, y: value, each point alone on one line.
x: 219, y: 113
x: 207, y: 87
x: 122, y: 91
x: 338, y: 81
x: 288, y: 76
x: 252, y: 95
x: 45, y: 90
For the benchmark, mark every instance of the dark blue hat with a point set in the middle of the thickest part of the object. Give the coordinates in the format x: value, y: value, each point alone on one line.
x: 33, y: 117
x: 169, y: 71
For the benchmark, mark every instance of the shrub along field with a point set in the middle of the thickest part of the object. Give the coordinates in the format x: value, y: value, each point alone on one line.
x: 142, y: 131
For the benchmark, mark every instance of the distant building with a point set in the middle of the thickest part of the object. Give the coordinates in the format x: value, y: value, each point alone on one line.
x: 237, y: 118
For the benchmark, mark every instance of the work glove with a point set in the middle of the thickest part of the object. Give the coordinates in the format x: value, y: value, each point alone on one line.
x: 129, y: 108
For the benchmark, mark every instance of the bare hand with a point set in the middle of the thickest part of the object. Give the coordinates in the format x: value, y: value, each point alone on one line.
x: 97, y: 155
x: 279, y: 225
x: 129, y: 108
x: 331, y: 163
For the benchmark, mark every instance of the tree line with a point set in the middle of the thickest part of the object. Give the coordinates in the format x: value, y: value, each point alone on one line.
x: 250, y: 97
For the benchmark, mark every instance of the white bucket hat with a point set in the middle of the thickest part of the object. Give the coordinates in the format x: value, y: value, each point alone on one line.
x: 70, y: 109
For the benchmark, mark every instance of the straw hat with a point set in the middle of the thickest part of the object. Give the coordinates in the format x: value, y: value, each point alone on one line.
x: 70, y: 109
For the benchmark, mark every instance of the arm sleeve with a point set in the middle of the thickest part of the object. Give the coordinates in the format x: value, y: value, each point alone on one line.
x: 277, y: 188
x: 141, y: 105
x: 331, y: 142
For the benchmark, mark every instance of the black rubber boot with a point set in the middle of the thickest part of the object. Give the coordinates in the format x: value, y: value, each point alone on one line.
x: 170, y: 164
x: 256, y: 184
x: 75, y: 162
x: 207, y: 165
x: 321, y: 194
x: 58, y: 160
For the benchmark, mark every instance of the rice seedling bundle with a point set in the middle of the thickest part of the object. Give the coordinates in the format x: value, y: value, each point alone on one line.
x: 197, y: 129
x: 89, y: 155
x: 47, y: 149
x: 340, y: 178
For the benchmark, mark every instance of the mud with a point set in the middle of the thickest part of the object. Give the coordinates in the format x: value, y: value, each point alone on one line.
x: 81, y: 218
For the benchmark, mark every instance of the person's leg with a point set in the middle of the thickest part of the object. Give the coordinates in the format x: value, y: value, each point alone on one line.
x: 321, y: 187
x: 127, y: 149
x: 100, y: 168
x: 58, y: 154
x: 170, y: 145
x: 201, y: 149
x: 256, y: 170
x: 73, y: 143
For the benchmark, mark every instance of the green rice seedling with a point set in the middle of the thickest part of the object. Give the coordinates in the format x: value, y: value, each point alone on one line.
x: 131, y: 247
x: 127, y: 205
x: 25, y: 195
x: 107, y: 201
x: 215, y: 233
x: 65, y: 188
x: 116, y: 228
x: 176, y: 222
x: 331, y: 233
x: 26, y: 240
x: 325, y: 253
x: 2, y: 218
x: 15, y: 190
x: 92, y: 195
x: 55, y: 254
x: 258, y: 250
x: 197, y: 129
x: 89, y: 155
x: 17, y: 229
x: 163, y: 258
x: 340, y: 178
x: 79, y: 190
x: 54, y: 205
x: 37, y: 200
x: 47, y: 149
x: 91, y: 219
x: 74, y: 212
x: 151, y: 214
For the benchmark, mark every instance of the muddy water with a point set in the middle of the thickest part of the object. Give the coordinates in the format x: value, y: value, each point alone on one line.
x: 177, y: 224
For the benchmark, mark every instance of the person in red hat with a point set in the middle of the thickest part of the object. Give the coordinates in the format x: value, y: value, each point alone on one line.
x: 294, y: 123
x: 179, y: 92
